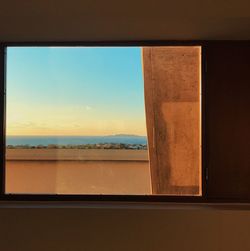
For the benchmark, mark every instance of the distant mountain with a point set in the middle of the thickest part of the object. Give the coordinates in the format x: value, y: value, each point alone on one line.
x: 76, y: 140
x: 125, y: 135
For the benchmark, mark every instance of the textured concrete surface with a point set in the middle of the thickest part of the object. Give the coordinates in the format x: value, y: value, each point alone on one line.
x: 78, y: 177
x: 172, y: 96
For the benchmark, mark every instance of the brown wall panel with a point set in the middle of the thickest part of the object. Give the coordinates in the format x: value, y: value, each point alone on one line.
x: 228, y: 119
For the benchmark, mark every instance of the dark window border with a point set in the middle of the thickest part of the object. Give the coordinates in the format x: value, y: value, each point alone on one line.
x: 106, y: 198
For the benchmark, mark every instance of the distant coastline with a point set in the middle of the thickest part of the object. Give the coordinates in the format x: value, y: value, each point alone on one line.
x: 85, y: 146
x: 119, y: 141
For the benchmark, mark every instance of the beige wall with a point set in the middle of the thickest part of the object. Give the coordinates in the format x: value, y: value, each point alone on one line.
x: 123, y: 230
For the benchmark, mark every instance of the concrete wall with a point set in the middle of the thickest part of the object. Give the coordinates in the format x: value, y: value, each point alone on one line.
x: 172, y: 83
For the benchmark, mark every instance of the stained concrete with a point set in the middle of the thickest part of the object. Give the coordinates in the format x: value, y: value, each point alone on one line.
x: 172, y: 95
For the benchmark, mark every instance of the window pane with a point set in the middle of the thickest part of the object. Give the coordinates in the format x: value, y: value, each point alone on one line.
x: 76, y: 121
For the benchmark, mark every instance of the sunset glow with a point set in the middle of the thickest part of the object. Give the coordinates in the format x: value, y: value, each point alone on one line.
x: 75, y: 91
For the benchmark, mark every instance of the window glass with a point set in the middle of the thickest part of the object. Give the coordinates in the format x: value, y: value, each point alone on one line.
x: 76, y: 121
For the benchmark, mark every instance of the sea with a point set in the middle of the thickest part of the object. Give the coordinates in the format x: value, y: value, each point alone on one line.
x: 74, y: 140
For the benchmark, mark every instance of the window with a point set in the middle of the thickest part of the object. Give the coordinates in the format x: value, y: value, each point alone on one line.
x: 77, y: 122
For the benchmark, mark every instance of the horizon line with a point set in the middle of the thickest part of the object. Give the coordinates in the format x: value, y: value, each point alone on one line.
x: 50, y: 135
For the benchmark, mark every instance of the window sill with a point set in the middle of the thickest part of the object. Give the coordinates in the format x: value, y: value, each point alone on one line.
x: 128, y: 205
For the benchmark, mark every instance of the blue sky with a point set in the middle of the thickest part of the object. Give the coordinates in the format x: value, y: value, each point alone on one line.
x: 75, y: 91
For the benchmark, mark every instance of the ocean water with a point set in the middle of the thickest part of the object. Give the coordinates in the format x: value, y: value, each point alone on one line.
x: 73, y: 140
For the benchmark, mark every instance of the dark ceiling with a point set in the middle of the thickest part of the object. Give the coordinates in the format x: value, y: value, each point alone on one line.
x: 78, y: 20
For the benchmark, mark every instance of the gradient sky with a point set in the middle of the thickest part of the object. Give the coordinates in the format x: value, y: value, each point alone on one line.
x: 75, y: 91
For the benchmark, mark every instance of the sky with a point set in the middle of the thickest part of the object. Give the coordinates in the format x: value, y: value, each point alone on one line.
x: 74, y: 91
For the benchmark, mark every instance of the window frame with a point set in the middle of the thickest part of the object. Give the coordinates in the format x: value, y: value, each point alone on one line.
x: 203, y: 198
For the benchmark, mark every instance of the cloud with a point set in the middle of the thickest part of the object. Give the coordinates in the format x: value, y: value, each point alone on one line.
x: 88, y: 108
